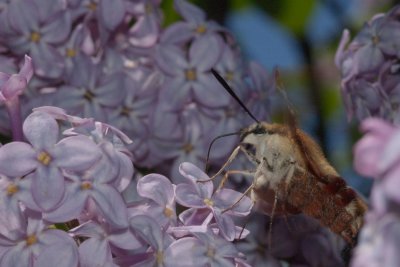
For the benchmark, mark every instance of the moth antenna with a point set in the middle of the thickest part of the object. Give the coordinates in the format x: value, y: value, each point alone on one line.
x: 292, y: 122
x: 212, y: 142
x: 281, y: 88
x: 232, y: 93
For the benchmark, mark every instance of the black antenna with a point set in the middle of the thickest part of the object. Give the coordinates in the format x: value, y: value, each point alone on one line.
x: 212, y: 142
x: 232, y: 93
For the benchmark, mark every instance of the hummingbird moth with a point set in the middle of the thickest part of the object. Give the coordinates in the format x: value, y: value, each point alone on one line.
x: 293, y: 176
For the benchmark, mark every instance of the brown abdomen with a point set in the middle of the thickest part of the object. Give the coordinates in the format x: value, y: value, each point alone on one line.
x: 334, y: 204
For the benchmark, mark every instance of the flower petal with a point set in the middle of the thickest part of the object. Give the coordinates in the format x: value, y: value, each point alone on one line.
x: 41, y: 130
x: 17, y: 159
x: 156, y: 187
x: 48, y: 187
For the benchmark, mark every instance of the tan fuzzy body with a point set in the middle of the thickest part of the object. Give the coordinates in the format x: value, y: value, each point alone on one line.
x: 292, y: 170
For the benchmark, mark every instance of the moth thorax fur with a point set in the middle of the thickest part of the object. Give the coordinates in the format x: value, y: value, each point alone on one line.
x: 274, y: 151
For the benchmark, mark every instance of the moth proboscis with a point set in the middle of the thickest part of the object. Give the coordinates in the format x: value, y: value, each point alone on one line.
x: 293, y: 176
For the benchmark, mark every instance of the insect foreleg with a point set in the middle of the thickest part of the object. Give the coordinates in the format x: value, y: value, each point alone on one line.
x: 230, y: 172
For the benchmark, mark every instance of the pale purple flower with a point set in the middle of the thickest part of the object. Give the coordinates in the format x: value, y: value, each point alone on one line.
x: 145, y: 31
x: 194, y: 25
x: 189, y: 77
x: 35, y: 33
x: 11, y: 87
x: 46, y: 158
x: 89, y: 92
x: 97, y: 184
x: 379, y: 242
x: 366, y: 64
x: 201, y: 195
x: 13, y: 193
x: 35, y: 244
x: 158, y: 241
x: 102, y: 239
x: 159, y: 202
x: 205, y: 249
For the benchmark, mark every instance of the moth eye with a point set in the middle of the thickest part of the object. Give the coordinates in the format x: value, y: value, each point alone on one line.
x: 251, y: 149
x: 259, y: 131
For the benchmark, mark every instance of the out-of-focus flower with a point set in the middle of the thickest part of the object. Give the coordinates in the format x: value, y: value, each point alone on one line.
x: 222, y: 203
x: 366, y: 63
x: 102, y: 238
x: 159, y: 202
x: 377, y: 155
x: 46, y: 157
x: 35, y: 244
x: 191, y: 74
x: 36, y: 33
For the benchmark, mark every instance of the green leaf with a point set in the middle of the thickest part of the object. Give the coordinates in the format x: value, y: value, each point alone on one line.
x: 295, y: 14
x: 292, y: 14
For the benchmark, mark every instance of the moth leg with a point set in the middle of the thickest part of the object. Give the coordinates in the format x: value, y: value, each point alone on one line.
x: 240, y: 198
x: 226, y: 175
x: 271, y: 220
x: 226, y: 164
x: 233, y: 155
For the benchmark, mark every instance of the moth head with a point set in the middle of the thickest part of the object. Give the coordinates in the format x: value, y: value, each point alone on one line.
x: 257, y: 135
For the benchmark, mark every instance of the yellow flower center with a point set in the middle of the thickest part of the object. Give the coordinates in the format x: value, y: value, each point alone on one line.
x: 208, y: 202
x: 210, y: 252
x: 187, y: 148
x: 92, y: 6
x: 125, y: 111
x: 86, y: 185
x: 44, y: 158
x: 375, y: 40
x: 30, y: 240
x: 229, y: 76
x: 88, y: 95
x: 168, y: 212
x: 12, y: 189
x: 190, y: 75
x: 201, y: 29
x: 35, y: 37
x: 159, y: 257
x: 71, y: 52
x: 148, y: 8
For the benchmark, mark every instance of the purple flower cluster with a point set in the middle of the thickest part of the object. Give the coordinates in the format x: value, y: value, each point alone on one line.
x: 377, y: 156
x: 76, y: 179
x: 112, y: 61
x: 369, y: 66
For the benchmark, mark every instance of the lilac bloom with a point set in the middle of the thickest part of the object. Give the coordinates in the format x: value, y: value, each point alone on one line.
x: 11, y: 87
x: 38, y: 245
x: 205, y: 249
x: 159, y: 241
x: 260, y: 94
x: 37, y: 34
x: 89, y: 92
x: 190, y: 77
x: 379, y: 37
x: 145, y: 31
x: 200, y: 195
x: 46, y: 158
x: 369, y: 150
x: 160, y: 199
x: 378, y: 242
x: 13, y: 192
x: 194, y: 25
x: 79, y: 42
x: 102, y: 239
x: 94, y: 184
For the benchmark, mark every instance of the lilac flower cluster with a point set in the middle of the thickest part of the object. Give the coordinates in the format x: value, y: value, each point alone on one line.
x: 61, y: 202
x: 377, y: 156
x: 112, y: 60
x: 77, y: 178
x: 369, y: 66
